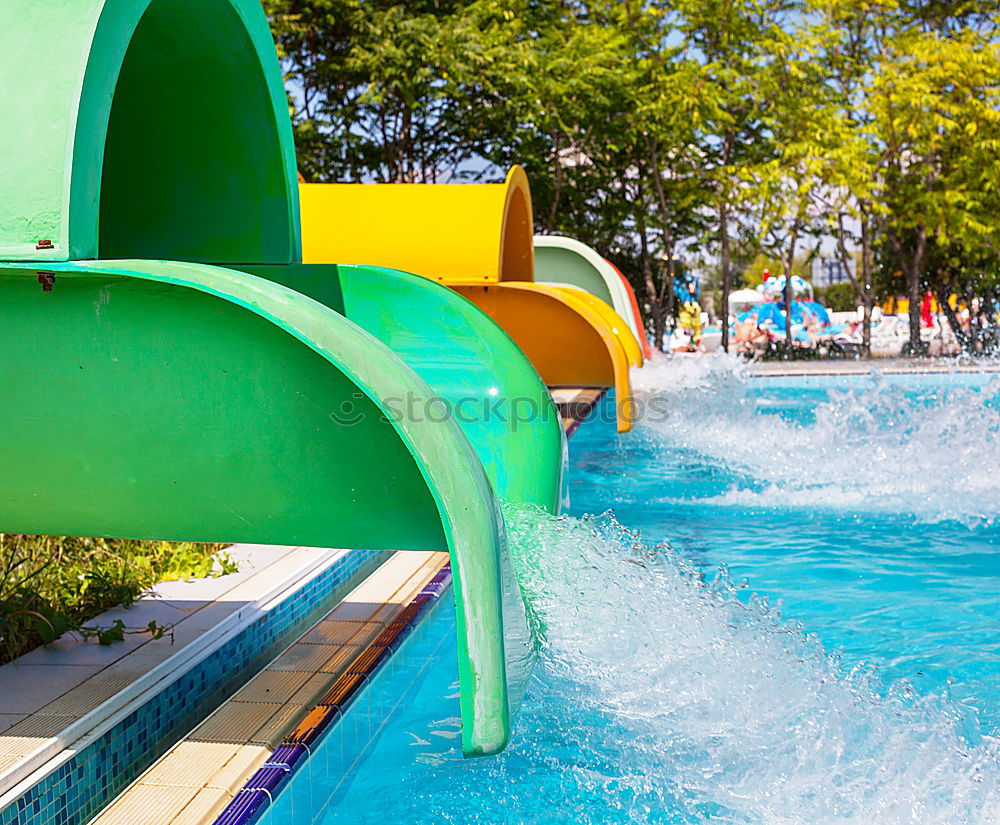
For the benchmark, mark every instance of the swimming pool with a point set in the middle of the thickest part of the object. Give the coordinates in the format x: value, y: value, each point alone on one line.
x: 668, y: 692
x: 867, y: 504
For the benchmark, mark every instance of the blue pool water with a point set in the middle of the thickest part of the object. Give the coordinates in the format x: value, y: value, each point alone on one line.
x: 816, y: 644
x: 868, y: 505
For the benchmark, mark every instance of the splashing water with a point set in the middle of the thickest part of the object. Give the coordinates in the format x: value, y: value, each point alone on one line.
x: 659, y: 698
x: 866, y: 504
x: 724, y: 710
x: 665, y: 694
x: 926, y: 446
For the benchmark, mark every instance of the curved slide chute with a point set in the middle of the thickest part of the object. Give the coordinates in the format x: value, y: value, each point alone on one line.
x: 618, y: 325
x: 569, y: 343
x: 567, y: 261
x: 477, y: 372
x: 647, y: 351
x: 185, y: 402
x: 393, y: 225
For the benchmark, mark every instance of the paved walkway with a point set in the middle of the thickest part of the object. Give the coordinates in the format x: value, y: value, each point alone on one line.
x: 864, y: 366
x: 196, y: 779
x: 53, y: 696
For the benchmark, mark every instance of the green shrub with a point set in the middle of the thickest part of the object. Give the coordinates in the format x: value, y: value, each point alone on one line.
x: 51, y: 585
x: 839, y: 297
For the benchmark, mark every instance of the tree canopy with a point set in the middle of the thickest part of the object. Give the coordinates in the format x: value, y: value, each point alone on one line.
x: 677, y: 135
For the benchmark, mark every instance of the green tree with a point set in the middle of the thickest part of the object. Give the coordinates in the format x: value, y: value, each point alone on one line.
x: 936, y: 105
x: 732, y: 43
x: 785, y: 193
x: 383, y: 91
x: 665, y: 130
x: 669, y: 193
x: 845, y: 35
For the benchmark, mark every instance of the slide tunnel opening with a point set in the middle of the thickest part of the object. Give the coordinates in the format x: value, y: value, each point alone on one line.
x: 556, y: 264
x: 517, y: 254
x: 193, y: 161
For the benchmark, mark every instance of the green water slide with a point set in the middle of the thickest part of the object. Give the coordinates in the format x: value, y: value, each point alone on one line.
x: 563, y: 265
x: 480, y: 376
x: 144, y: 128
x: 152, y: 399
x: 186, y: 402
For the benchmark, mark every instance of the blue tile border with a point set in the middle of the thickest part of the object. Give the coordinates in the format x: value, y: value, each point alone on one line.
x: 88, y: 781
x: 261, y: 790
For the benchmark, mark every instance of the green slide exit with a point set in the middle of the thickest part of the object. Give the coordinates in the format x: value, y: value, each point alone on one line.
x: 189, y: 402
x: 478, y: 374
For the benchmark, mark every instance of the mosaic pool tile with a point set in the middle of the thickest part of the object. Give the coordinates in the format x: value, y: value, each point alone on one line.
x: 75, y: 791
x: 264, y: 786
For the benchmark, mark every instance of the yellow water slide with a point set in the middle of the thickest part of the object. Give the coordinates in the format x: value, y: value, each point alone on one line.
x: 476, y: 239
x: 570, y: 344
x: 619, y: 326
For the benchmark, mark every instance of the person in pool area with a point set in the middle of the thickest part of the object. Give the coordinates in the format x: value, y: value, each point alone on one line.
x: 750, y: 340
x: 813, y: 324
x: 926, y: 305
x: 689, y: 317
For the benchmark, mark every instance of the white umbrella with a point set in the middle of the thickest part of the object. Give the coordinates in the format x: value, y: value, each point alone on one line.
x: 745, y: 296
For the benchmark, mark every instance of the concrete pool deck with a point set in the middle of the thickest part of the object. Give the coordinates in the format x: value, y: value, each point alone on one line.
x: 195, y: 780
x: 58, y: 694
x: 888, y: 366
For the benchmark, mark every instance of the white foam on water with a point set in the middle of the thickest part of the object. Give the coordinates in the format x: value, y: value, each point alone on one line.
x: 660, y: 698
x: 876, y: 444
